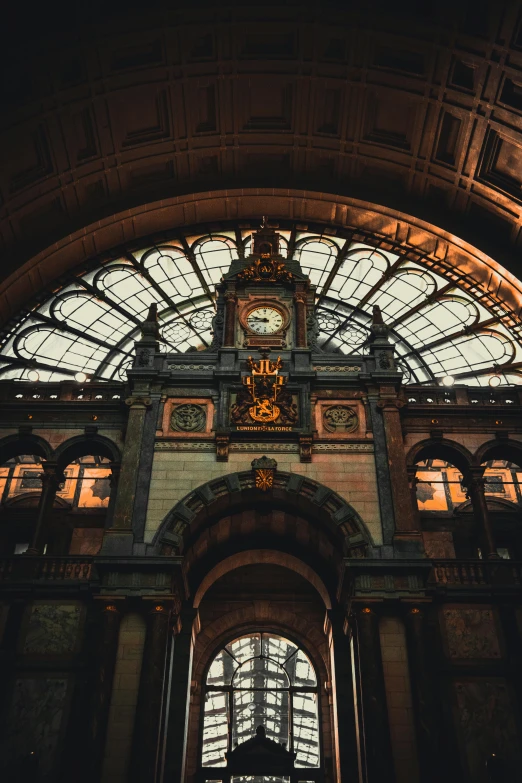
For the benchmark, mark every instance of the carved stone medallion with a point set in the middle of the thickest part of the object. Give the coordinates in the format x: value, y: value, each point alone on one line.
x: 340, y: 418
x: 188, y: 418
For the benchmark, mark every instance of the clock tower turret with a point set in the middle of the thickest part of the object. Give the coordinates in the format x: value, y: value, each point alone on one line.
x: 265, y: 298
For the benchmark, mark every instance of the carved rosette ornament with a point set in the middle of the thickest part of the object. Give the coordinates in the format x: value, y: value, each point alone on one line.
x: 188, y: 418
x: 340, y: 419
x: 264, y: 471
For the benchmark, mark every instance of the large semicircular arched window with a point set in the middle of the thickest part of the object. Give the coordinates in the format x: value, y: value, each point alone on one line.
x: 261, y: 679
x: 442, y: 323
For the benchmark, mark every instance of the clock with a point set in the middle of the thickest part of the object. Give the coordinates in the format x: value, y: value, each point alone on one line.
x: 265, y: 319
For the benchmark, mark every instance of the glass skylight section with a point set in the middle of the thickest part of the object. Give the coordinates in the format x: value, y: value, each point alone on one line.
x: 439, y: 326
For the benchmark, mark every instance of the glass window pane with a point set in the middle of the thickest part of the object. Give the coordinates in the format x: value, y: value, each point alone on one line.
x: 259, y: 680
x: 261, y: 708
x: 215, y: 730
x: 305, y: 729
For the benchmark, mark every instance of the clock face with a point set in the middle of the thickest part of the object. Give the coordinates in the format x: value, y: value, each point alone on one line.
x: 264, y: 320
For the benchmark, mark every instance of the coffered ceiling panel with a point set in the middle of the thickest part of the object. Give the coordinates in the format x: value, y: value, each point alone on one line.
x: 414, y: 107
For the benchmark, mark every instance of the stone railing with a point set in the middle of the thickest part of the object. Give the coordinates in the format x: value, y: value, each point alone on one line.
x: 31, y: 568
x: 476, y: 573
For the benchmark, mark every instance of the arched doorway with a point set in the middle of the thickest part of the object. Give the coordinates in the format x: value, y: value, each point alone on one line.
x: 262, y: 657
x: 260, y: 684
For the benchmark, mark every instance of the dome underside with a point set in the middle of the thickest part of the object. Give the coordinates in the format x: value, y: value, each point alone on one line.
x: 441, y: 322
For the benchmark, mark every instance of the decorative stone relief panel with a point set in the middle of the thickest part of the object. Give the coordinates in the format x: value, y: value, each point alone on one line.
x: 471, y: 632
x: 52, y: 629
x: 340, y: 418
x: 438, y: 544
x: 86, y: 541
x: 187, y: 418
x: 485, y: 722
x: 35, y: 721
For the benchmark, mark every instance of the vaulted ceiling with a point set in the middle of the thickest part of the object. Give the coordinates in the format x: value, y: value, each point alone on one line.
x: 411, y: 107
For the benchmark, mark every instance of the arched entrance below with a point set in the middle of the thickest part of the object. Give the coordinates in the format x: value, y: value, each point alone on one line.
x: 261, y: 562
x: 253, y: 597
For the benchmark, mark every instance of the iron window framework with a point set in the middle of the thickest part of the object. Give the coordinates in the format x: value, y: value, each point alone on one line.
x: 441, y: 321
x: 261, y: 679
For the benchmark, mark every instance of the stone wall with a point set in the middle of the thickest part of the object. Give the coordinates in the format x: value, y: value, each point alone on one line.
x: 351, y: 475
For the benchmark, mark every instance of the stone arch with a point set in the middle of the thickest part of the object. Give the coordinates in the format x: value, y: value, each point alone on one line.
x: 83, y: 445
x: 443, y: 448
x: 242, y: 621
x: 14, y: 445
x: 262, y: 556
x: 236, y: 491
x: 505, y: 448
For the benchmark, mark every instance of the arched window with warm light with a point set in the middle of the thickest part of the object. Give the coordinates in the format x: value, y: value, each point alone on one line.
x: 261, y: 679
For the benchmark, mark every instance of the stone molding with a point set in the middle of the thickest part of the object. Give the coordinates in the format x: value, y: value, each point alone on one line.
x: 291, y: 488
x: 290, y: 448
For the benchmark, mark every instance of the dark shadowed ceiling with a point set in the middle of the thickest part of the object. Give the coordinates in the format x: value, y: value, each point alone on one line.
x: 416, y: 107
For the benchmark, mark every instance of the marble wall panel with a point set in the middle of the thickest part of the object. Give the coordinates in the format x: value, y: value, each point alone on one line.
x: 52, y: 629
x: 486, y: 724
x: 438, y: 544
x: 34, y: 723
x: 471, y: 632
x: 86, y: 541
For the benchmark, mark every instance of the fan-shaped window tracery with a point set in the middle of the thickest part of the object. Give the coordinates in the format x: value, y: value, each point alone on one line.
x: 440, y: 324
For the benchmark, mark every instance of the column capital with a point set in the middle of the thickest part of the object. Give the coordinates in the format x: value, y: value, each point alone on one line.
x: 138, y: 402
x: 390, y: 404
x: 51, y: 474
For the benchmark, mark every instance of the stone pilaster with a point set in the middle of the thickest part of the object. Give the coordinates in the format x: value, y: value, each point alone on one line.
x: 300, y: 319
x: 375, y: 730
x: 345, y: 728
x: 180, y: 669
x: 118, y: 539
x: 146, y: 746
x: 230, y: 319
x: 423, y: 689
x: 105, y: 662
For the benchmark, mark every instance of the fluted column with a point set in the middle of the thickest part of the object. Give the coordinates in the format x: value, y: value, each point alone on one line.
x: 51, y: 478
x: 375, y: 729
x: 474, y: 482
x: 147, y: 725
x: 230, y: 319
x: 300, y: 319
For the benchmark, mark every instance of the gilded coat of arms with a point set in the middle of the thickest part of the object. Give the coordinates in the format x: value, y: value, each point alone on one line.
x: 264, y: 398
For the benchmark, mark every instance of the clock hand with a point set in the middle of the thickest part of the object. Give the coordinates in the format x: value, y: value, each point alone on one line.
x: 254, y: 318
